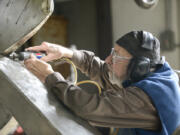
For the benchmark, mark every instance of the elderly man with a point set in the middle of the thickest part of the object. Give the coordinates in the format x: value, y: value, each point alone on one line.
x: 140, y: 92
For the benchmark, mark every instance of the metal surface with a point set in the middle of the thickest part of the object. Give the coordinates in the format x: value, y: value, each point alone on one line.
x: 146, y: 4
x: 36, y: 109
x: 20, y: 20
x: 4, y: 116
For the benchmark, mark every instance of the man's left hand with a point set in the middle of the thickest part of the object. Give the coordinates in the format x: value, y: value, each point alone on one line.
x: 38, y: 67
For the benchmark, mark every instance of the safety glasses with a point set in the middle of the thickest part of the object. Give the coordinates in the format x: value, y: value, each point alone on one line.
x: 116, y: 56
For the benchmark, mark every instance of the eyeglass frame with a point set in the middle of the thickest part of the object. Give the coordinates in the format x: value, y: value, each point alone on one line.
x: 115, y: 55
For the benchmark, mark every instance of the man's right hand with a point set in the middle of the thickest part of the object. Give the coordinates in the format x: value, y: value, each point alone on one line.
x: 53, y: 51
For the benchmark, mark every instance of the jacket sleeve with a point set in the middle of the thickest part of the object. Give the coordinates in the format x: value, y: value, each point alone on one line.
x: 127, y: 108
x: 89, y: 64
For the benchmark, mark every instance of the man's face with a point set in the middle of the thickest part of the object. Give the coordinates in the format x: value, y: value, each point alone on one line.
x: 118, y: 62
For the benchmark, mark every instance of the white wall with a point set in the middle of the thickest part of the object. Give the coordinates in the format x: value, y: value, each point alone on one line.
x: 127, y: 16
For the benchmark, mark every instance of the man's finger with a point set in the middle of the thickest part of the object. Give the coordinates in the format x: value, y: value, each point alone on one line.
x: 36, y: 48
x: 49, y: 57
x: 37, y: 64
x: 35, y: 72
x: 30, y: 60
x: 27, y: 61
x: 32, y: 57
x: 46, y: 58
x: 28, y: 66
x: 31, y: 67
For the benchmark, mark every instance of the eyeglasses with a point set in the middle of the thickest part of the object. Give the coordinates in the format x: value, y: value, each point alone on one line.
x: 116, y: 56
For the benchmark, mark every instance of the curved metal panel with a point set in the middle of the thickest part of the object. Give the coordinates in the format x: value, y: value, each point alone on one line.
x: 5, y: 116
x: 35, y: 108
x: 20, y: 20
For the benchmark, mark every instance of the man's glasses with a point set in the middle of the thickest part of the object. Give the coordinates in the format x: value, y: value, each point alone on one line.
x: 116, y: 56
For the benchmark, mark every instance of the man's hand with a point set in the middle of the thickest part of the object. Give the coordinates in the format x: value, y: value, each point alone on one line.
x: 53, y: 51
x: 38, y: 67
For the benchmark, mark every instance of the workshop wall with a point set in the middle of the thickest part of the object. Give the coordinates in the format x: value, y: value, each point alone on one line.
x: 127, y: 16
x: 82, y: 22
x: 81, y: 16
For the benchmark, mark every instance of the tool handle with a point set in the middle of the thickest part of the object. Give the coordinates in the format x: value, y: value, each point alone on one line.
x: 27, y: 54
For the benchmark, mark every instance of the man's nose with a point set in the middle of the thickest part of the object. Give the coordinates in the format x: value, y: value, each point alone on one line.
x: 108, y: 60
